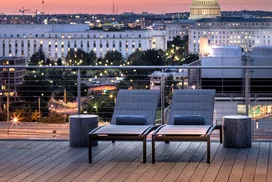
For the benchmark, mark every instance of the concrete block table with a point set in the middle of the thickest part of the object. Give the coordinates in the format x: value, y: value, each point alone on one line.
x: 80, y: 126
x: 236, y: 131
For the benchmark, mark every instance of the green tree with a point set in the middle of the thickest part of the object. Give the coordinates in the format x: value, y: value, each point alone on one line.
x: 138, y: 78
x: 48, y: 62
x: 69, y: 82
x: 169, y: 85
x: 59, y: 62
x: 35, y: 86
x: 102, y: 104
x: 177, y: 52
x: 114, y: 58
x: 91, y: 58
x: 76, y: 57
x: 38, y: 58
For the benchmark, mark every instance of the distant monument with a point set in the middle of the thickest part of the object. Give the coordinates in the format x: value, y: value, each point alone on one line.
x: 204, y: 9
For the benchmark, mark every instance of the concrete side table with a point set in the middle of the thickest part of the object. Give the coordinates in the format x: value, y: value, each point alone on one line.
x: 236, y: 131
x: 80, y: 126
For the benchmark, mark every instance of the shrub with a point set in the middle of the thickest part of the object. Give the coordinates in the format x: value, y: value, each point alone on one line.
x: 54, y: 117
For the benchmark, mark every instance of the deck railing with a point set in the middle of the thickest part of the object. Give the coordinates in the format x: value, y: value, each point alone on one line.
x: 43, y: 94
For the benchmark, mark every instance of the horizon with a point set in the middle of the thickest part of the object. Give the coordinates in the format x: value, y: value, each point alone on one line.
x: 97, y: 7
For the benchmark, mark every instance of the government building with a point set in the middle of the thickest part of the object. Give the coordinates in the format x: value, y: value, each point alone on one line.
x: 230, y: 31
x: 204, y: 9
x: 57, y: 39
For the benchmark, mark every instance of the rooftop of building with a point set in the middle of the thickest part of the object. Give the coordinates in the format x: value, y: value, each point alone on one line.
x: 232, y: 19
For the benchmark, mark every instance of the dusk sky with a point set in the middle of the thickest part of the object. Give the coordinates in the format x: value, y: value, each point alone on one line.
x: 138, y: 6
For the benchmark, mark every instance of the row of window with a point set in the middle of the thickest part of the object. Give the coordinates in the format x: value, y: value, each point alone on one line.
x: 231, y: 32
x: 235, y: 37
x: 235, y: 24
x: 75, y: 35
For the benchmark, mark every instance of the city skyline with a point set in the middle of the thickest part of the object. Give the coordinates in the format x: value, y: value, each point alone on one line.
x: 106, y: 7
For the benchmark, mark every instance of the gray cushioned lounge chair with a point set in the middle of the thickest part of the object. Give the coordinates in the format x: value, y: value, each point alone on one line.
x: 188, y: 103
x: 129, y: 103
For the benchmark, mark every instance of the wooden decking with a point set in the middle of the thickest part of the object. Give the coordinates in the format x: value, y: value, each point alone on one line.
x: 121, y: 161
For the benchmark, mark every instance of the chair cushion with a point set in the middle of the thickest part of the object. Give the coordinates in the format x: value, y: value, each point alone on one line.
x: 189, y: 120
x: 130, y: 120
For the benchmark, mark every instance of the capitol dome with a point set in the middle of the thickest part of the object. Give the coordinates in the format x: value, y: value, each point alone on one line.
x: 204, y: 9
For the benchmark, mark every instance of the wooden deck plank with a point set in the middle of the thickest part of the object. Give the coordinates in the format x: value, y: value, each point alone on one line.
x: 52, y: 168
x: 114, y: 162
x: 8, y: 148
x: 54, y: 160
x: 76, y: 167
x: 81, y: 172
x: 186, y: 152
x: 133, y: 165
x: 162, y: 158
x: 168, y: 163
x: 202, y: 167
x: 15, y: 151
x: 269, y: 168
x: 142, y: 168
x: 122, y: 161
x: 226, y: 167
x: 37, y: 162
x: 215, y: 165
x: 191, y: 166
x: 16, y: 165
x: 98, y: 163
x: 249, y: 170
x: 238, y: 167
x: 123, y: 164
x: 262, y: 164
x: 32, y: 148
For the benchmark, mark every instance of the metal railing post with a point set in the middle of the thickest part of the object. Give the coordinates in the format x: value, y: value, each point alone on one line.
x: 78, y: 91
x: 162, y: 98
x: 8, y: 96
x: 247, y: 85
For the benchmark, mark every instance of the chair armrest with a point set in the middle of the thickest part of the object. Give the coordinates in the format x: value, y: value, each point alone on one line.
x: 158, y: 129
x: 211, y: 130
x: 94, y: 130
x: 150, y: 129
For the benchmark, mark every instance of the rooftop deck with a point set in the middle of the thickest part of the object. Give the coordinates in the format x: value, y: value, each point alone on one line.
x: 121, y: 161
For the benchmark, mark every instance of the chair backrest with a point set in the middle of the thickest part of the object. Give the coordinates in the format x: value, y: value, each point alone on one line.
x: 193, y: 102
x: 137, y: 102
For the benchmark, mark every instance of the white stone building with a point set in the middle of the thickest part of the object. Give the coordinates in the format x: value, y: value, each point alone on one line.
x: 57, y: 39
x: 231, y: 31
x: 176, y: 28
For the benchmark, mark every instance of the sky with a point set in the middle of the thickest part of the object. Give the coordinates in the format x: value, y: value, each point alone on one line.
x: 137, y: 6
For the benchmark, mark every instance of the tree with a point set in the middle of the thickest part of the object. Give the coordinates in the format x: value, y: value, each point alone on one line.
x: 91, y: 58
x: 177, y: 52
x: 38, y: 58
x: 138, y: 78
x: 48, y: 62
x: 35, y: 86
x: 69, y: 82
x: 114, y: 58
x: 76, y: 57
x: 59, y: 62
x: 102, y: 104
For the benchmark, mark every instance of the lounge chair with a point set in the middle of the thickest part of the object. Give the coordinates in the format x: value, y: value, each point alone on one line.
x: 133, y: 118
x: 190, y: 119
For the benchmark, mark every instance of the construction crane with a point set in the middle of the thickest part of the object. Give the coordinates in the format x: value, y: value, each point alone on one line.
x: 37, y: 12
x: 23, y: 10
